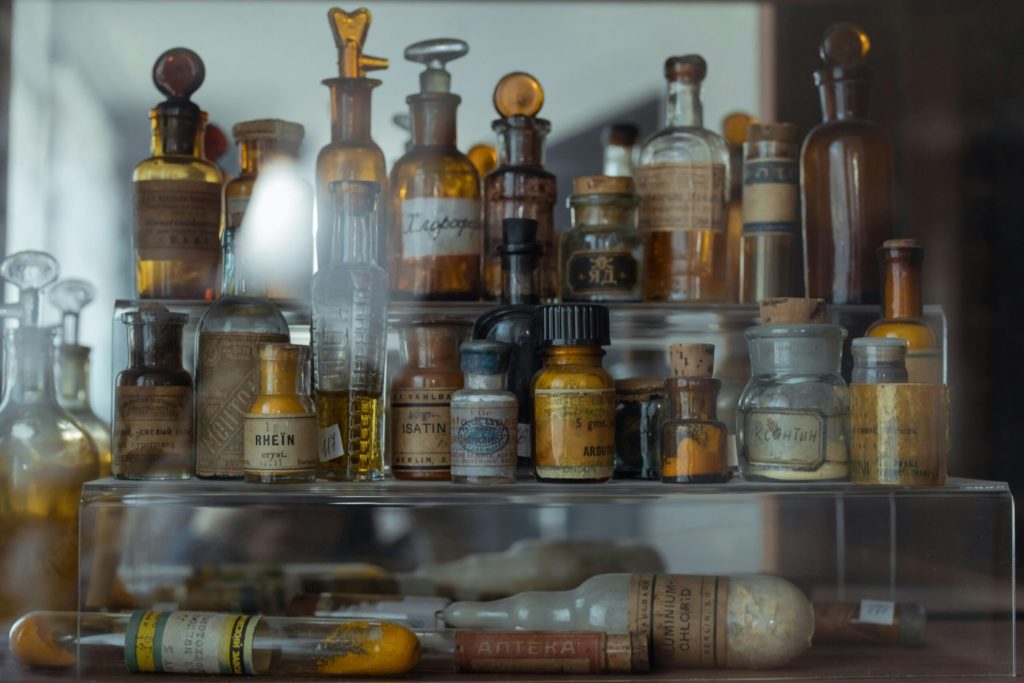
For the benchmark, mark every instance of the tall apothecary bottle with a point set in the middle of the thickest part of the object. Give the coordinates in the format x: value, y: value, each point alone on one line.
x: 349, y: 332
x: 682, y: 180
x: 176, y: 193
x: 846, y: 174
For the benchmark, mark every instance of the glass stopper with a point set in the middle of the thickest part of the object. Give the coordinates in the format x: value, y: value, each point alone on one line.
x: 402, y: 120
x: 70, y: 297
x: 734, y: 127
x: 435, y: 54
x: 844, y: 45
x: 518, y: 94
x: 178, y: 73
x: 29, y: 271
x: 350, y: 29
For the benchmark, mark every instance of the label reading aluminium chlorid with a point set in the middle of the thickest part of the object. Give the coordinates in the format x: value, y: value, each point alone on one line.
x: 190, y: 642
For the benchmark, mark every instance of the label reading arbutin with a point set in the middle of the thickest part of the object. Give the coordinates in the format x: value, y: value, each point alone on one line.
x: 150, y: 421
x: 190, y: 642
x: 575, y: 433
x: 176, y: 220
x: 440, y: 226
x: 681, y: 196
x: 602, y: 273
x: 421, y: 429
x: 280, y: 444
x: 795, y: 438
x: 771, y: 195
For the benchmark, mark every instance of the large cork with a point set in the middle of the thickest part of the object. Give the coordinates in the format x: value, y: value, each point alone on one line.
x: 793, y: 311
x: 603, y: 184
x: 692, y: 361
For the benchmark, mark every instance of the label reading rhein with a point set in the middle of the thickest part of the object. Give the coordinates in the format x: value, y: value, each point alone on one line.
x: 484, y: 441
x: 176, y: 220
x: 794, y: 438
x: 575, y: 433
x: 602, y: 273
x: 150, y: 421
x: 421, y: 429
x: 190, y: 642
x: 440, y: 226
x: 771, y: 195
x: 681, y: 196
x: 330, y: 443
x: 280, y: 444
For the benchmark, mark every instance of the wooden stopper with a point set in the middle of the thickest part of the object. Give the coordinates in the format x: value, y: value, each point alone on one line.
x: 693, y: 361
x: 792, y: 311
x: 603, y: 184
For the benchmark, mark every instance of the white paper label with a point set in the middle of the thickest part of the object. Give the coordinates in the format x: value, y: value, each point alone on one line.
x: 440, y: 226
x: 330, y: 443
x: 190, y: 642
x: 776, y: 436
x: 877, y: 612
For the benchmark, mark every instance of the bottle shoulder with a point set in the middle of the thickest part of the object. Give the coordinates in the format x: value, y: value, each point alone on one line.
x: 434, y: 173
x: 450, y: 379
x: 843, y: 130
x: 153, y: 377
x: 239, y: 187
x: 241, y: 314
x: 573, y: 376
x: 177, y: 167
x: 684, y: 145
x: 492, y: 397
x: 281, y: 404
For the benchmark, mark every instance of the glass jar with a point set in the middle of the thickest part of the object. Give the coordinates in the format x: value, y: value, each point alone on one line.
x: 879, y: 361
x: 794, y: 414
x: 639, y: 411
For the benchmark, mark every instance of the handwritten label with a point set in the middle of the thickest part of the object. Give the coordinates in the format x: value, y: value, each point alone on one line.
x: 441, y: 226
x: 877, y: 612
x: 794, y: 438
x: 331, y: 446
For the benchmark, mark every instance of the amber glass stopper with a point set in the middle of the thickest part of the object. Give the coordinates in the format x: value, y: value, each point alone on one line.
x: 793, y: 311
x: 484, y: 158
x: 178, y: 73
x: 687, y: 68
x: 692, y: 361
x: 735, y: 126
x: 844, y: 45
x: 518, y: 94
x: 350, y: 30
x: 602, y: 184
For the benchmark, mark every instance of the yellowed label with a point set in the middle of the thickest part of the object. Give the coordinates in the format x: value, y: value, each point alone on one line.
x: 152, y: 421
x: 280, y: 444
x: 681, y: 196
x: 683, y: 618
x: 574, y: 433
x: 794, y: 438
x: 924, y: 367
x: 421, y: 429
x: 900, y: 434
x: 176, y: 220
x: 484, y: 440
x: 771, y: 195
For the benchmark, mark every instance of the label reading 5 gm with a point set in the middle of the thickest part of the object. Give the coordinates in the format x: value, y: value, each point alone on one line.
x: 575, y: 433
x: 191, y: 642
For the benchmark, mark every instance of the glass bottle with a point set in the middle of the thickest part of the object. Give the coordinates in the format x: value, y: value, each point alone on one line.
x: 602, y: 254
x: 879, y: 361
x: 639, y: 412
x: 274, y: 144
x: 520, y: 187
x: 176, y: 192
x: 734, y: 131
x: 683, y: 187
x: 573, y: 396
x: 280, y: 430
x: 620, y: 149
x: 693, y: 441
x: 770, y: 258
x: 512, y: 322
x: 70, y: 297
x: 349, y: 332
x: 484, y: 417
x: 846, y: 175
x: 45, y: 457
x: 352, y: 154
x: 903, y: 312
x: 153, y: 399
x: 421, y: 395
x: 436, y: 236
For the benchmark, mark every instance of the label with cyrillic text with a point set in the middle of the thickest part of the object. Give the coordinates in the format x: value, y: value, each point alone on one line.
x: 441, y: 226
x: 795, y: 438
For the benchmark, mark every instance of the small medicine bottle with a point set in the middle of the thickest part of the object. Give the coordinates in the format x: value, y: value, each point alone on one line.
x: 639, y: 413
x: 280, y: 433
x: 485, y: 417
x: 879, y: 360
x: 573, y: 396
x: 693, y: 441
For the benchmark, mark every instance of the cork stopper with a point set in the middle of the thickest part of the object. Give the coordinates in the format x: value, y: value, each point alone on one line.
x: 603, y: 184
x: 793, y: 311
x: 692, y: 361
x: 776, y: 132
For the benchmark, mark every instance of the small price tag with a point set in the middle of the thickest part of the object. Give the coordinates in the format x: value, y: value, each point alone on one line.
x: 877, y: 612
x: 330, y: 443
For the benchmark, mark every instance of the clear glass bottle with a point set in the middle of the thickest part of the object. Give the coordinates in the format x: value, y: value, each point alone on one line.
x: 879, y: 361
x: 484, y: 417
x: 520, y: 186
x: 436, y: 234
x: 351, y: 154
x: 903, y: 311
x: 153, y: 399
x: 176, y: 192
x: 734, y: 131
x: 846, y: 175
x: 771, y: 262
x: 620, y: 149
x: 693, y: 441
x: 421, y: 395
x: 349, y: 332
x: 280, y: 429
x: 602, y: 254
x: 70, y: 297
x: 639, y: 412
x: 682, y: 180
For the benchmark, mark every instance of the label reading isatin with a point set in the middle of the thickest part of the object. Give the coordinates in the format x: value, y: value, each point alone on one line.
x: 602, y: 273
x: 681, y: 196
x: 190, y: 643
x: 280, y: 444
x: 421, y: 429
x: 575, y: 433
x: 441, y: 226
x: 771, y: 196
x: 176, y: 220
x: 793, y: 438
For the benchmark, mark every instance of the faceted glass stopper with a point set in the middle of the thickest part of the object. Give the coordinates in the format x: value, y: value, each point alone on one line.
x: 178, y: 73
x: 845, y: 46
x: 734, y: 127
x: 350, y: 30
x: 518, y: 94
x: 29, y: 269
x: 71, y: 296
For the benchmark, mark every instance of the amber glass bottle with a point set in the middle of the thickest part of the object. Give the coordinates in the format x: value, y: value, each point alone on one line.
x: 436, y: 237
x: 176, y: 202
x: 846, y: 175
x: 903, y: 312
x: 693, y: 441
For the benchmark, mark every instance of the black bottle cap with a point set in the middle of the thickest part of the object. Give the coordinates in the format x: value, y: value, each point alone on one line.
x: 574, y: 325
x: 519, y: 236
x: 484, y: 357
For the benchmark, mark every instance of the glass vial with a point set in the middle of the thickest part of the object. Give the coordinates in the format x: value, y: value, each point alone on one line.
x: 639, y: 412
x: 693, y: 441
x: 484, y: 417
x: 176, y: 192
x: 573, y: 396
x: 879, y: 361
x: 153, y: 399
x: 349, y: 333
x: 280, y: 429
x: 683, y: 188
x: 602, y: 254
x: 421, y: 395
x: 771, y: 262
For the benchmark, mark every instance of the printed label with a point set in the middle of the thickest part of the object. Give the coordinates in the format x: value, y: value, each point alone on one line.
x: 574, y: 433
x: 681, y: 196
x: 280, y: 444
x: 439, y: 226
x: 151, y: 421
x: 771, y: 196
x: 602, y: 273
x: 485, y: 441
x: 880, y: 612
x: 420, y: 431
x: 794, y: 438
x: 176, y: 220
x: 525, y: 652
x: 227, y: 384
x: 190, y: 642
x: 331, y: 445
x: 236, y: 207
x: 684, y: 618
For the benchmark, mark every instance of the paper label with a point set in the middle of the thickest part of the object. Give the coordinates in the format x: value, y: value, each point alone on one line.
x: 331, y: 445
x: 235, y: 214
x: 880, y: 612
x: 771, y: 196
x: 530, y: 652
x: 280, y: 444
x: 602, y: 273
x: 484, y: 441
x: 441, y: 226
x: 681, y: 196
x: 227, y: 384
x: 524, y: 444
x: 152, y: 421
x: 684, y: 618
x: 924, y: 367
x: 793, y: 438
x: 176, y: 220
x: 574, y: 433
x: 190, y: 642
x: 421, y: 429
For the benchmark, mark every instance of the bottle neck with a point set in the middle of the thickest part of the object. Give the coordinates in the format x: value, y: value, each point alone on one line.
x: 241, y: 280
x: 252, y: 154
x: 155, y: 345
x: 178, y: 134
x: 432, y: 347
x: 485, y: 382
x: 573, y: 355
x: 354, y: 233
x: 279, y: 378
x: 432, y: 119
x: 73, y: 376
x: 693, y: 399
x: 350, y: 108
x: 521, y: 141
x: 591, y: 211
x: 842, y: 100
x: 806, y: 355
x: 520, y: 278
x: 902, y: 287
x: 29, y: 379
x: 683, y: 108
